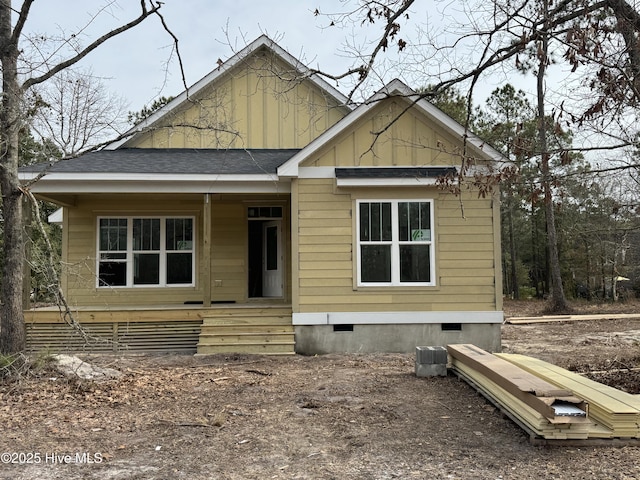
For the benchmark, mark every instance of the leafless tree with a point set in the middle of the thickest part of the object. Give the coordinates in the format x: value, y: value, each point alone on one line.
x: 75, y: 111
x: 21, y: 74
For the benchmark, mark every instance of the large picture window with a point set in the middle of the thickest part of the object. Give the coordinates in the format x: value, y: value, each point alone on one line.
x: 395, y: 242
x: 139, y: 251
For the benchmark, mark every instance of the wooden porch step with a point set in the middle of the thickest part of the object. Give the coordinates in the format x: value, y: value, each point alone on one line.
x: 246, y: 321
x: 245, y: 338
x: 250, y: 348
x: 239, y: 329
x: 247, y: 330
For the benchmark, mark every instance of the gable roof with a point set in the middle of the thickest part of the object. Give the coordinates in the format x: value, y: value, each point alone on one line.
x: 241, y: 170
x: 395, y: 89
x: 261, y: 42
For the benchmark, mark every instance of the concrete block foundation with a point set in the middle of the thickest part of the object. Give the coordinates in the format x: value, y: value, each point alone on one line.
x: 397, y: 338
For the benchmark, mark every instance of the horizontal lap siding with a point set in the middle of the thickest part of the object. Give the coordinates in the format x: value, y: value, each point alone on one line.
x: 81, y: 241
x: 324, y: 250
x: 465, y: 264
x: 466, y: 252
x: 229, y: 239
x: 228, y: 255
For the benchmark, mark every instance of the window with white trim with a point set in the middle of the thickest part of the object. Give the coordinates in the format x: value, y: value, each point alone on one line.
x: 146, y: 252
x: 395, y: 242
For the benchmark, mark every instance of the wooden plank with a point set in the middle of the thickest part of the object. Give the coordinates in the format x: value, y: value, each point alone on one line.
x: 468, y: 230
x: 571, y: 318
x: 343, y: 281
x: 320, y: 257
x: 535, y: 392
x: 338, y: 264
x: 528, y: 418
x: 451, y: 280
x: 318, y: 274
x: 615, y: 409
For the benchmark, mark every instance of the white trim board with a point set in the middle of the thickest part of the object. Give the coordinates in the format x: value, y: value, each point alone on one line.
x: 396, y: 318
x: 168, y: 184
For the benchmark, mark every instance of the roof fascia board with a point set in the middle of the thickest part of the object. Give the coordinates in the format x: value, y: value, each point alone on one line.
x: 239, y: 57
x: 169, y: 187
x: 330, y: 172
x: 291, y: 166
x: 148, y: 177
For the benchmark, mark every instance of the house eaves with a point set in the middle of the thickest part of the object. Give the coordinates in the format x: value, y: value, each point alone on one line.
x: 395, y: 89
x: 148, y: 170
x: 78, y: 183
x: 261, y: 42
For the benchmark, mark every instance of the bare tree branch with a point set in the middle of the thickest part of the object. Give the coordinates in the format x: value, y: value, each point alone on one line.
x: 22, y: 19
x: 84, y: 52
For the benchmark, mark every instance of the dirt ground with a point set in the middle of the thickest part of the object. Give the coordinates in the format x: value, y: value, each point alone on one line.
x: 322, y: 417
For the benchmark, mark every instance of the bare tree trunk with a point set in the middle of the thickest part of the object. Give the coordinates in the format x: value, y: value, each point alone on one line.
x: 12, y: 328
x: 515, y: 288
x: 12, y: 121
x: 534, y: 251
x: 558, y: 299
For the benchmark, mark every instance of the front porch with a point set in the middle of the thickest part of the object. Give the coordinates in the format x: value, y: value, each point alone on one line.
x: 264, y: 328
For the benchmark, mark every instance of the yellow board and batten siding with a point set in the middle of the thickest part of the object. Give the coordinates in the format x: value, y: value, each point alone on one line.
x: 465, y: 243
x: 258, y: 104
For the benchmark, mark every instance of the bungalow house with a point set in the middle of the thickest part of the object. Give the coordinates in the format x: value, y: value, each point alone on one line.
x: 258, y: 212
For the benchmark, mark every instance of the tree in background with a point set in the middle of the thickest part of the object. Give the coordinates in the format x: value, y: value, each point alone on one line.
x: 597, y: 39
x: 508, y: 123
x: 135, y: 118
x: 75, y: 111
x: 38, y: 255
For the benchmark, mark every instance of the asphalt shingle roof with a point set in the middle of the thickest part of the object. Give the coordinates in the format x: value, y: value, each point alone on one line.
x: 173, y: 161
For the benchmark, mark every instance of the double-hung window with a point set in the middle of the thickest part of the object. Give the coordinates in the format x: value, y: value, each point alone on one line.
x: 395, y: 242
x: 146, y: 251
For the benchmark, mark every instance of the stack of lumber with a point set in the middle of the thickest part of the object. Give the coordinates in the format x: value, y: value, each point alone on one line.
x: 616, y: 410
x: 541, y: 408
